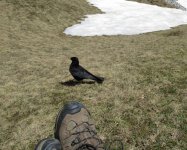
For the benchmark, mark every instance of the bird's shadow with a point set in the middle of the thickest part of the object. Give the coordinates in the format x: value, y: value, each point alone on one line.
x: 74, y: 83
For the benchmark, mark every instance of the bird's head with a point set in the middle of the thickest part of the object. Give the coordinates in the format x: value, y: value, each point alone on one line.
x: 75, y: 60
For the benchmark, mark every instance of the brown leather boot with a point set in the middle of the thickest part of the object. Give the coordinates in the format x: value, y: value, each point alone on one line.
x: 75, y: 129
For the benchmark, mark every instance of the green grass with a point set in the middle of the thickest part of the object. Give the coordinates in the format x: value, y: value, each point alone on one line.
x: 142, y: 101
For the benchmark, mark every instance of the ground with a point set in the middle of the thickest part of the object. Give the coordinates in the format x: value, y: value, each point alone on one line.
x: 143, y: 98
x: 161, y: 3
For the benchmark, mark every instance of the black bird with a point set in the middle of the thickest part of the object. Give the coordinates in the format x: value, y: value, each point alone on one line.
x: 79, y: 73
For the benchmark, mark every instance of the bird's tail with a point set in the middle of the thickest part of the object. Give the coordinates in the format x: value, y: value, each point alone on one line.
x: 98, y: 79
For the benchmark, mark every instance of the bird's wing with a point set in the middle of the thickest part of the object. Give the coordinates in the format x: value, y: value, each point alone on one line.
x: 85, y: 74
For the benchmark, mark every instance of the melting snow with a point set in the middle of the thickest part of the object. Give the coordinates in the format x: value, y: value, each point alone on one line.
x: 128, y: 18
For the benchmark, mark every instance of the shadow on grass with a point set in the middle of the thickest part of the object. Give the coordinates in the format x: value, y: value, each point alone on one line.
x: 74, y: 83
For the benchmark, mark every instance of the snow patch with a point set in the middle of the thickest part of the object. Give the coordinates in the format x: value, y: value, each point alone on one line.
x: 124, y: 17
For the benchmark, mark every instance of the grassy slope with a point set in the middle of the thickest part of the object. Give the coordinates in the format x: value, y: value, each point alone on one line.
x: 142, y: 100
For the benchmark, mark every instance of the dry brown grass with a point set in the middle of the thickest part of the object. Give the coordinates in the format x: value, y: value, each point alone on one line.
x: 142, y: 101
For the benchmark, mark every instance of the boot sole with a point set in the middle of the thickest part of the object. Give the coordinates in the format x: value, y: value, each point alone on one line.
x: 48, y: 144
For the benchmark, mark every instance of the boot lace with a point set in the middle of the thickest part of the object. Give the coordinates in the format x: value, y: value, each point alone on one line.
x: 84, y: 141
x: 115, y: 144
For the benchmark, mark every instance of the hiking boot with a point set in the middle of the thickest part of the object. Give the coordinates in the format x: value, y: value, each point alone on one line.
x: 48, y: 144
x: 75, y: 129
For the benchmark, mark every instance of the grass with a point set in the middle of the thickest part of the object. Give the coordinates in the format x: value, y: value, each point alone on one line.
x: 142, y: 101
